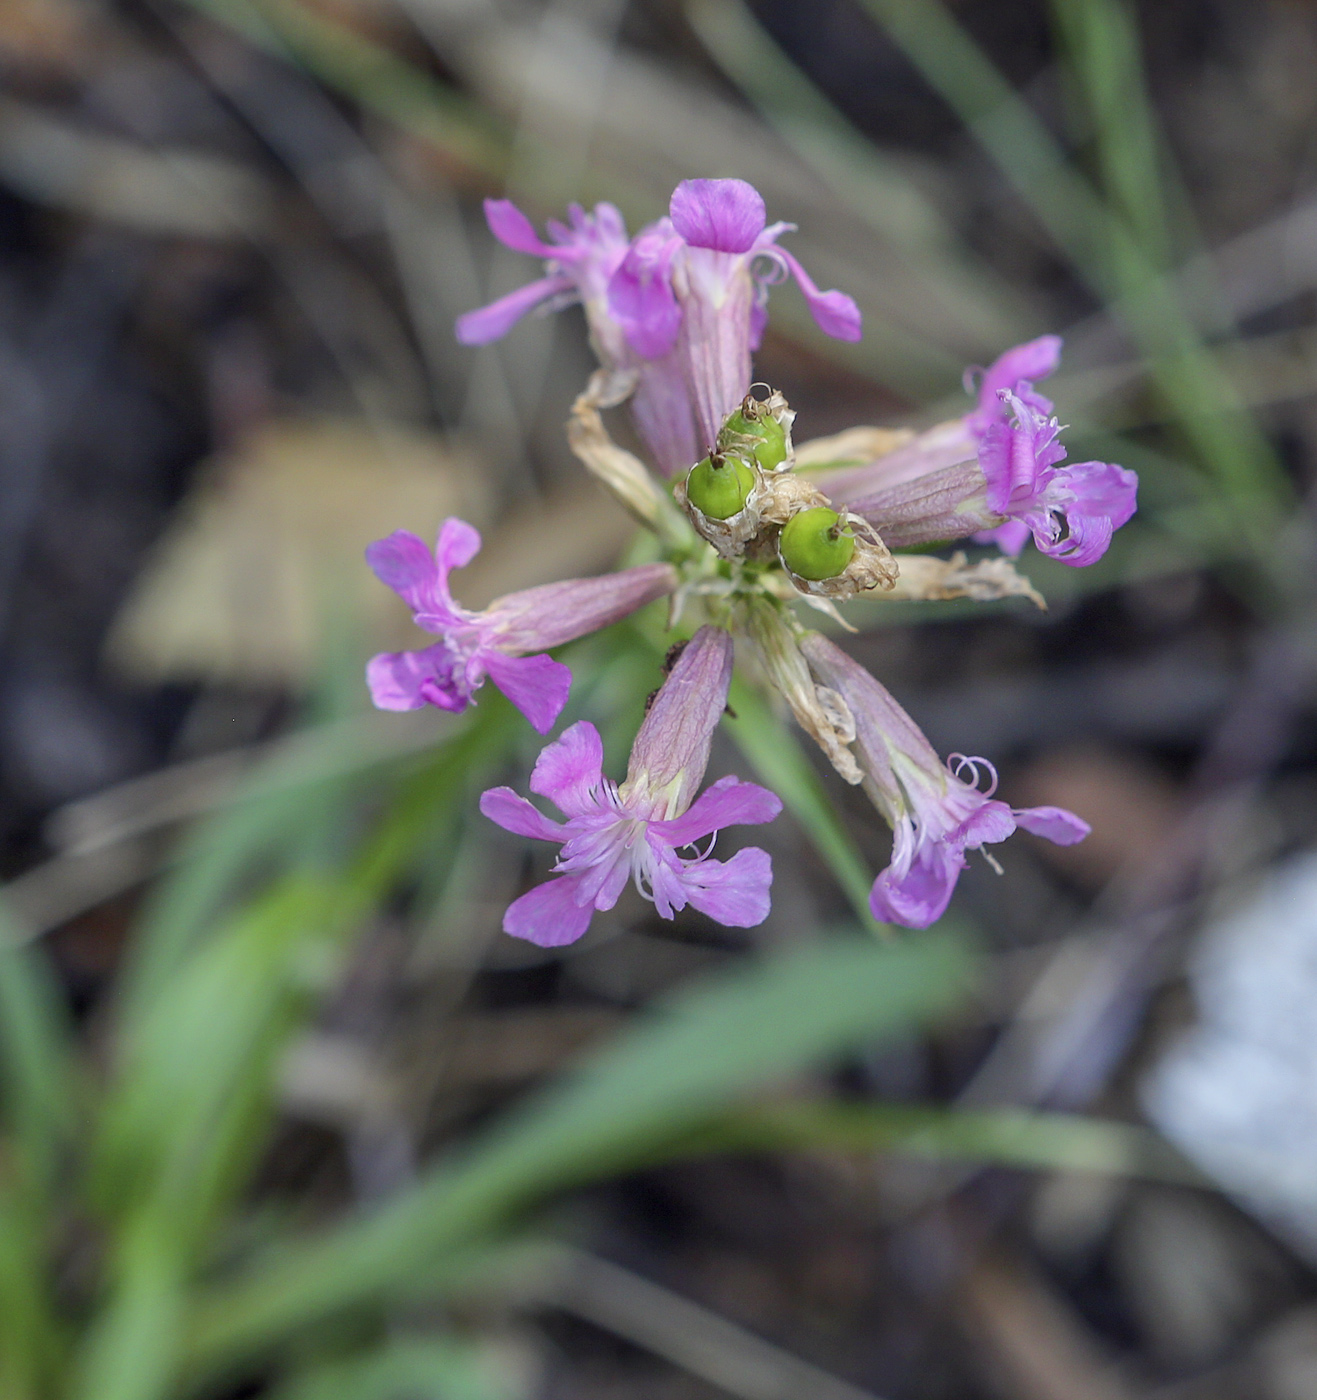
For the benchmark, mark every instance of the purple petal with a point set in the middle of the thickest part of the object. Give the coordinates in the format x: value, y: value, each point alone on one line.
x: 1053, y: 823
x: 549, y: 914
x: 725, y: 215
x: 919, y: 895
x: 1010, y: 538
x: 834, y: 312
x: 1015, y: 370
x: 641, y: 298
x: 1101, y: 488
x: 456, y: 546
x: 1034, y: 360
x: 1085, y: 543
x: 514, y: 230
x: 406, y: 680
x: 403, y: 561
x: 1010, y: 466
x: 494, y: 321
x: 537, y: 685
x: 733, y: 892
x: 728, y: 802
x: 662, y: 411
x: 569, y: 770
x: 989, y: 823
x: 513, y: 813
x: 758, y: 319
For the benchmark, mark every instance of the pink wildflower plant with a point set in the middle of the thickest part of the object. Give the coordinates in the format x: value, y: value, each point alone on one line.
x: 675, y: 314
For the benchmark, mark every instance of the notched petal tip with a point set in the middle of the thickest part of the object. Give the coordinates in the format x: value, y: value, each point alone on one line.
x: 570, y: 769
x: 735, y: 893
x: 403, y: 562
x: 457, y: 544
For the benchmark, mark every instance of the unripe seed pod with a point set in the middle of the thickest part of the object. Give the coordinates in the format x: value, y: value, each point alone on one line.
x: 770, y: 447
x: 812, y: 546
x: 718, y: 486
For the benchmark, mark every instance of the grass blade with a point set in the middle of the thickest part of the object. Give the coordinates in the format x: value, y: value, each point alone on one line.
x: 443, y: 1368
x: 1104, y: 251
x: 703, y: 1050
x: 999, y: 1137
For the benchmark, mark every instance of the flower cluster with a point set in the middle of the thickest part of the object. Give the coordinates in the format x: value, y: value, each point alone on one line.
x: 683, y: 304
x: 675, y: 314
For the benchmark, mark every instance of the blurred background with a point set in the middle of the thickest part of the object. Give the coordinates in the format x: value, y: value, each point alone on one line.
x: 253, y: 984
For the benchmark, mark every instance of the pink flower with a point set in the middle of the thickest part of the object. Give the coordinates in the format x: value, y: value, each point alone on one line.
x: 1071, y: 511
x: 995, y: 475
x: 935, y: 815
x: 697, y: 283
x: 636, y: 831
x: 578, y: 264
x: 492, y: 643
x: 684, y: 303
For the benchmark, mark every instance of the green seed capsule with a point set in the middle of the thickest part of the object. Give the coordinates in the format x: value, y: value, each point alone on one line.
x: 771, y: 448
x: 718, y: 486
x: 811, y: 545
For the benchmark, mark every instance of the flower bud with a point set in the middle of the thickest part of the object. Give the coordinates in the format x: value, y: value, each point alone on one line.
x: 813, y: 545
x: 718, y: 486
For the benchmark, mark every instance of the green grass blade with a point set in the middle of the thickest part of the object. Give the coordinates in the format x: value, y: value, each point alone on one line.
x: 31, y: 1343
x: 370, y: 74
x: 778, y: 758
x: 1103, y: 46
x: 130, y: 1348
x: 318, y: 775
x: 193, y: 1071
x: 38, y: 1079
x: 433, y: 1368
x: 699, y: 1052
x: 998, y: 1137
x: 1104, y: 251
